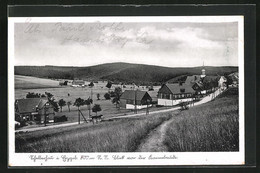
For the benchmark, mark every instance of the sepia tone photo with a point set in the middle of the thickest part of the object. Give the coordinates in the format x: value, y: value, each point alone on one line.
x: 126, y: 86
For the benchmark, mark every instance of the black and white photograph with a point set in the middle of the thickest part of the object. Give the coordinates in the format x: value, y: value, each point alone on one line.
x: 126, y: 90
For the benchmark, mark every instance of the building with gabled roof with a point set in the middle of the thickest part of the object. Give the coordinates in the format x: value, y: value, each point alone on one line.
x: 173, y: 94
x: 78, y: 82
x: 190, y: 80
x: 34, y: 109
x: 234, y: 78
x: 131, y: 99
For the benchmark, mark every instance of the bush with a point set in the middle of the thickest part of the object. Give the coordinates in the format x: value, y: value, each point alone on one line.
x: 107, y: 96
x: 60, y: 118
x: 112, y: 94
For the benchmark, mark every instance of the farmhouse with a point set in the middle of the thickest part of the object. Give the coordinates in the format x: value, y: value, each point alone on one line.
x: 173, y: 94
x: 204, y: 84
x: 190, y: 80
x: 34, y: 109
x: 131, y: 98
x: 78, y: 83
x: 222, y: 82
x: 212, y: 82
x: 234, y: 78
x: 63, y: 82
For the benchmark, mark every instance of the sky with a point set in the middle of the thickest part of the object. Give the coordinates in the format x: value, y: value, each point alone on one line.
x: 170, y: 44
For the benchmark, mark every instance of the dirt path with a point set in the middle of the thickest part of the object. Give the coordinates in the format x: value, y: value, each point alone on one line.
x: 154, y: 140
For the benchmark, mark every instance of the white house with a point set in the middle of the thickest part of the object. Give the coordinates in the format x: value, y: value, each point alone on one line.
x: 173, y: 94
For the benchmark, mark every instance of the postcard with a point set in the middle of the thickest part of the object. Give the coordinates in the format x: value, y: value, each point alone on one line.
x: 126, y: 91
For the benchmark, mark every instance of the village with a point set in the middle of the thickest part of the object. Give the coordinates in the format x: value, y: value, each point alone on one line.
x: 78, y: 101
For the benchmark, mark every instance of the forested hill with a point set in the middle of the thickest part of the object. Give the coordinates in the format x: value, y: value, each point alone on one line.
x: 119, y: 72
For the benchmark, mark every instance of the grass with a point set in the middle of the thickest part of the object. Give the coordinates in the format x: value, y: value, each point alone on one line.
x: 212, y: 126
x: 39, y: 85
x: 114, y: 136
x: 28, y: 82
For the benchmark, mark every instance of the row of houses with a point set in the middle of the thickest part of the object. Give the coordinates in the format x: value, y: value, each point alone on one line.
x: 75, y: 82
x: 171, y: 94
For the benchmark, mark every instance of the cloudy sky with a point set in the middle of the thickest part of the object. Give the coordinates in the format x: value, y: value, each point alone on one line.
x: 164, y: 44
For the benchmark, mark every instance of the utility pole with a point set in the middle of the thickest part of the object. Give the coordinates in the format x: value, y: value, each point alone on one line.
x: 91, y: 94
x: 45, y: 115
x: 147, y: 109
x: 78, y: 116
x: 89, y: 109
x: 135, y: 102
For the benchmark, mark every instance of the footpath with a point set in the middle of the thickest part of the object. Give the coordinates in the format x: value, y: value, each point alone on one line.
x: 154, y: 142
x: 202, y: 101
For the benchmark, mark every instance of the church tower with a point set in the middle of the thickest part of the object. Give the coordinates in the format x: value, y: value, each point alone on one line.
x: 203, y: 72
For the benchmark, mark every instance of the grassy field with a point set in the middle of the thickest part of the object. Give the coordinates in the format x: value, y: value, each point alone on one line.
x: 212, y: 126
x: 110, y: 136
x: 51, y: 86
x: 28, y: 82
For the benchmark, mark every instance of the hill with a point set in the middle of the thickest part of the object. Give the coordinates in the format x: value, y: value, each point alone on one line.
x: 119, y: 72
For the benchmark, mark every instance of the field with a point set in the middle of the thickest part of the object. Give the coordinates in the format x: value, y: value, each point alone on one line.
x: 122, y: 135
x: 209, y: 127
x: 51, y: 86
x: 28, y: 82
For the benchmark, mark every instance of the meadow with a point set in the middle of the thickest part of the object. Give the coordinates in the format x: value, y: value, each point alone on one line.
x: 29, y: 82
x: 122, y: 135
x: 40, y: 85
x: 213, y: 126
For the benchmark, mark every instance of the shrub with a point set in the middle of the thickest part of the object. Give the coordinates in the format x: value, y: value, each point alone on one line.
x: 107, y: 96
x: 60, y: 118
x: 96, y: 108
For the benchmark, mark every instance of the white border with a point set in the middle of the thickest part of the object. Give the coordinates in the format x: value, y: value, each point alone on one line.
x: 183, y: 158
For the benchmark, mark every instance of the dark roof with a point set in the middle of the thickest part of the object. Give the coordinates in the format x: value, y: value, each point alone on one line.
x: 234, y: 76
x: 78, y: 82
x: 176, y: 88
x: 192, y: 79
x: 178, y: 79
x: 130, y: 94
x: 211, y: 78
x: 200, y: 85
x: 29, y: 105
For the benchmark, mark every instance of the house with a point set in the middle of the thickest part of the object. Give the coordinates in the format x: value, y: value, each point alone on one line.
x: 204, y: 84
x: 190, y: 80
x: 211, y: 82
x: 234, y: 79
x: 61, y: 83
x: 34, y: 109
x: 199, y: 88
x: 173, y: 94
x: 196, y: 82
x: 222, y: 82
x: 76, y: 83
x: 131, y: 98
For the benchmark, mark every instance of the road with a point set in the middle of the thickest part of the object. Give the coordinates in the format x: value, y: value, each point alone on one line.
x: 202, y: 101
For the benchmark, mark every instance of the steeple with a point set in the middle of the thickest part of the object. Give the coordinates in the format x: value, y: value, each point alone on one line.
x: 203, y: 71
